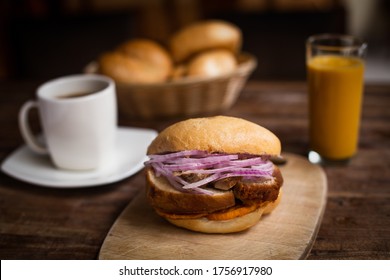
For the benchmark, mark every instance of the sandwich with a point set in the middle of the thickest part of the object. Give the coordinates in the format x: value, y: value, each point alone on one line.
x: 213, y: 175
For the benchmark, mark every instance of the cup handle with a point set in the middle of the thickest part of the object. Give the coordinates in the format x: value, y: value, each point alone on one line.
x: 24, y: 127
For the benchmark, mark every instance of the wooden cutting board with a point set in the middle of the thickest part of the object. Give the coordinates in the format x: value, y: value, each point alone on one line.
x: 287, y: 233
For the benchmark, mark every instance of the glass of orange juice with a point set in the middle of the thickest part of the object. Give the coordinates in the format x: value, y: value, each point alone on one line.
x: 335, y: 74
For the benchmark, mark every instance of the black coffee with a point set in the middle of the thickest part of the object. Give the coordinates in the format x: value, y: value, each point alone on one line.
x: 75, y: 95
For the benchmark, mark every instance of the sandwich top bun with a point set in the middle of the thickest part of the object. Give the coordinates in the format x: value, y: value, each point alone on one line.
x: 202, y: 36
x: 220, y: 134
x: 137, y: 61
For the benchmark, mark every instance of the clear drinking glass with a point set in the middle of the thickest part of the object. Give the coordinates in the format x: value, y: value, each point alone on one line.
x: 335, y: 74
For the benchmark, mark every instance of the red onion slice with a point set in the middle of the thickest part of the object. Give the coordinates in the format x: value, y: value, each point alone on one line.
x: 218, y: 166
x: 202, y: 182
x: 164, y: 157
x: 176, y: 181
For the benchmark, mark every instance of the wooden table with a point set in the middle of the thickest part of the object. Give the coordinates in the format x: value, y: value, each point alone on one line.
x: 45, y: 223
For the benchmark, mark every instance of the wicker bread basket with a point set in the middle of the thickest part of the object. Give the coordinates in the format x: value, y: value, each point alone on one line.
x: 184, y: 97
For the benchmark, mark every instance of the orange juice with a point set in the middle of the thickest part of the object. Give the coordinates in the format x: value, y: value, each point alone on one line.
x: 335, y: 97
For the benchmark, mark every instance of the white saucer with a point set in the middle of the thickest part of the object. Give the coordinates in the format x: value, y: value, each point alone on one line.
x: 130, y: 154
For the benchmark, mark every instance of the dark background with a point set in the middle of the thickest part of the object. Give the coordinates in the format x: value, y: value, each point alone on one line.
x: 45, y: 39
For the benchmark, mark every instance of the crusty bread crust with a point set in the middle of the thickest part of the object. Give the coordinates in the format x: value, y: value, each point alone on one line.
x: 163, y: 196
x: 220, y: 134
x: 205, y: 35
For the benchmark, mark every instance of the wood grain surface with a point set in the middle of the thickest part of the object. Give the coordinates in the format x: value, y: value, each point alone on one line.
x: 287, y: 233
x: 44, y: 223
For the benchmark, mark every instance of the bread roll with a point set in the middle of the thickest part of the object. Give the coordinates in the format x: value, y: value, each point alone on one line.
x: 202, y: 36
x: 212, y: 63
x: 149, y: 52
x: 137, y: 61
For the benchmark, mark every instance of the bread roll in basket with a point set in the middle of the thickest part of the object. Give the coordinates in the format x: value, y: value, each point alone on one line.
x: 200, y: 73
x: 183, y: 97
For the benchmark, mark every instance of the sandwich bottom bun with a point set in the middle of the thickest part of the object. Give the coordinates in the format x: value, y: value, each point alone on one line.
x: 237, y: 224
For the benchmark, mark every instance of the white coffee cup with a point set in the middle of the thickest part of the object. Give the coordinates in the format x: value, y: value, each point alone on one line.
x: 78, y: 114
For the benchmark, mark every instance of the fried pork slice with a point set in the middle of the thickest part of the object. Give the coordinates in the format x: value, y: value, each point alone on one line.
x: 193, y: 177
x: 227, y: 183
x: 162, y: 195
x: 251, y: 191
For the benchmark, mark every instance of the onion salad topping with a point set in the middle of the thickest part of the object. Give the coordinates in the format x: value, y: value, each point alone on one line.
x: 212, y: 167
